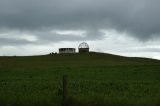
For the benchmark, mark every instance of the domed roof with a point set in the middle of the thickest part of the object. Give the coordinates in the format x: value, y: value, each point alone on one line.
x: 83, y: 45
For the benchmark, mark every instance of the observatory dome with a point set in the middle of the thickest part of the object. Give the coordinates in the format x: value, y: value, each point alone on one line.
x: 83, y: 48
x: 83, y: 45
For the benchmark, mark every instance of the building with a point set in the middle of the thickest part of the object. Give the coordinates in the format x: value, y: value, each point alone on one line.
x: 67, y: 50
x: 83, y: 48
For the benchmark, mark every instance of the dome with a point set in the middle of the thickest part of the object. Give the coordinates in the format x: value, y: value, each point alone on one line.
x: 83, y: 45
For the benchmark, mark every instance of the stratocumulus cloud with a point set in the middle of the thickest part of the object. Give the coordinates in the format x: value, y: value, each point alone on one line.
x: 139, y: 18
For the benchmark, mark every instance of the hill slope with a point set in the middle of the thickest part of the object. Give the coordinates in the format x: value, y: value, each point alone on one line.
x: 95, y: 79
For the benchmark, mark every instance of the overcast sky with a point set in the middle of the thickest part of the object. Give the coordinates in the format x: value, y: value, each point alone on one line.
x: 123, y: 27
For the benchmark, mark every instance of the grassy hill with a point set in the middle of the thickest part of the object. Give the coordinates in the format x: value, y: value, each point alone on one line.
x: 95, y: 79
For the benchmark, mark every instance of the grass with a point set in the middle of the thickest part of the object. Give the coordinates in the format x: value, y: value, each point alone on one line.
x: 95, y: 79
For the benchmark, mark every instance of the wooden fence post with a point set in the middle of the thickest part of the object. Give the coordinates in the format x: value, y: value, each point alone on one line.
x: 65, y: 89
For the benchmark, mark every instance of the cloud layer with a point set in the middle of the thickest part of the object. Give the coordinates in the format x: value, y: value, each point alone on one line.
x: 39, y: 22
x: 138, y: 18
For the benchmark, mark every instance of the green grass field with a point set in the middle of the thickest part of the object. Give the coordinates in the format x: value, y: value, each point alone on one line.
x: 95, y: 79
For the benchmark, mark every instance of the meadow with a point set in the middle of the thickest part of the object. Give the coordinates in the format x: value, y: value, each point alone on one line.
x: 95, y: 79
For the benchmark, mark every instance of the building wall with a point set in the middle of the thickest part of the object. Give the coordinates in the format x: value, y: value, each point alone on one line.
x: 83, y: 50
x: 67, y: 50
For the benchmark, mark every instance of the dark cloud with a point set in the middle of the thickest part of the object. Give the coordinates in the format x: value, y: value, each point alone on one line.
x: 137, y: 18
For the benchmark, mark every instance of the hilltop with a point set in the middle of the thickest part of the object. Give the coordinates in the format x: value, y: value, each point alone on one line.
x: 91, y: 59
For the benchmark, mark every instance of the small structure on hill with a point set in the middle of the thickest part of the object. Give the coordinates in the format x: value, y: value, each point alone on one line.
x: 83, y: 47
x: 67, y: 50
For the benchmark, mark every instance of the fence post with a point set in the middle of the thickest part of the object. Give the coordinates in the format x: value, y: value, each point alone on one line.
x: 65, y: 89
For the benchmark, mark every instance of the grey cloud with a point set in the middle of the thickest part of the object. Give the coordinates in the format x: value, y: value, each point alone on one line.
x: 142, y: 49
x: 138, y: 18
x: 13, y: 42
x: 149, y: 49
x: 48, y: 37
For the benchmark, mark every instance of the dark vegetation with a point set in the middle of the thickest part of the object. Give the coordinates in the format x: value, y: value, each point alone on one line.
x: 95, y: 79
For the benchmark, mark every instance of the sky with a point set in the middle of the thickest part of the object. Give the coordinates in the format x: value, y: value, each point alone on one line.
x: 122, y: 27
